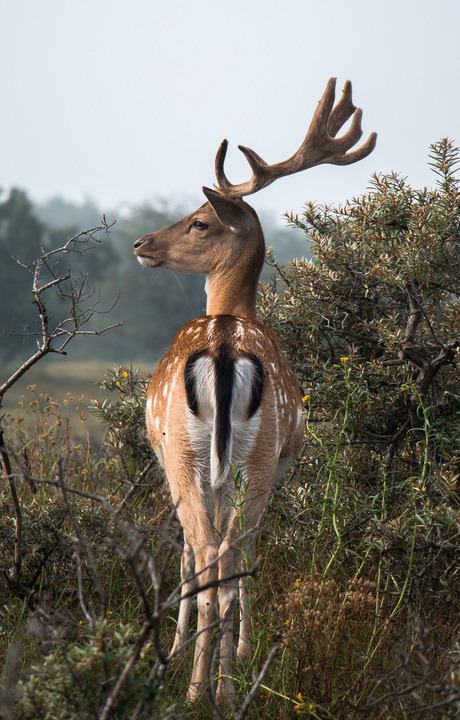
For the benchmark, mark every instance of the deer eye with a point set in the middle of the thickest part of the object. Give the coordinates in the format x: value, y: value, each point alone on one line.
x: 198, y: 225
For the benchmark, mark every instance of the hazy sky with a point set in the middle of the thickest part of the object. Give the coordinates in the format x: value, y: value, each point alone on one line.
x: 128, y: 101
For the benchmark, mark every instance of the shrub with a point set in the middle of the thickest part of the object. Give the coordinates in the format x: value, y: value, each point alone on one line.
x: 371, y: 325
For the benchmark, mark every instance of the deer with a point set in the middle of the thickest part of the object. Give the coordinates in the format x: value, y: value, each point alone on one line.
x: 224, y: 410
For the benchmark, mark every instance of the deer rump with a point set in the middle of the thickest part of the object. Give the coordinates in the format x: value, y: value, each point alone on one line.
x: 224, y: 394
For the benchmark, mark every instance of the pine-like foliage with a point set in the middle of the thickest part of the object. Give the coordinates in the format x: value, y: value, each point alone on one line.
x: 383, y: 290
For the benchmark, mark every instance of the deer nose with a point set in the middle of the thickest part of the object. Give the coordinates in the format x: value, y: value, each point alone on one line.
x: 138, y: 243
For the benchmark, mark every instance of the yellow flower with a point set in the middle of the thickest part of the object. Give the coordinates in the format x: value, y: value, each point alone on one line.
x: 344, y: 359
x: 306, y: 398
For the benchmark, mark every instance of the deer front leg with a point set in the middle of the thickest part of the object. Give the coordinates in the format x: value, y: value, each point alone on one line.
x: 187, y: 570
x: 244, y: 651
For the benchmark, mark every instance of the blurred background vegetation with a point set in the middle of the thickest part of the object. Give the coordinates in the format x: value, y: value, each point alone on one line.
x: 153, y: 305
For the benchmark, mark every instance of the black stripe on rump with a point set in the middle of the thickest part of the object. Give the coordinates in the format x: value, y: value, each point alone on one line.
x: 257, y: 384
x: 189, y: 380
x: 224, y: 366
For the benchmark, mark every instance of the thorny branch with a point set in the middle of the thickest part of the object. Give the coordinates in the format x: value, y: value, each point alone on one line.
x: 82, y: 546
x: 419, y: 686
x: 257, y: 681
x: 428, y: 369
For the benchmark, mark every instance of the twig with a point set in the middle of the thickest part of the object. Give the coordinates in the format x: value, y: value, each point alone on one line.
x: 256, y: 684
x: 17, y: 511
x: 138, y: 645
x: 83, y: 545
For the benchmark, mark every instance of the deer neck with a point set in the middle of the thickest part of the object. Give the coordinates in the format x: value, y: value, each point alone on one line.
x: 232, y: 290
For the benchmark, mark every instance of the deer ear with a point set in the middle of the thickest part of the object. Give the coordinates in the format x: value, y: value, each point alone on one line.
x: 230, y: 213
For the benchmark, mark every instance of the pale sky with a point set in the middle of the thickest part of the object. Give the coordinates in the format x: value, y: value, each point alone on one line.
x: 127, y: 102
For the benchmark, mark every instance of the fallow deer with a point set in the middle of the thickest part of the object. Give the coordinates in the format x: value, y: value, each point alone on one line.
x: 224, y: 400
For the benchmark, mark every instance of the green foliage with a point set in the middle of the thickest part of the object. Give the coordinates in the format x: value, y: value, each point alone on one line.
x: 73, y: 615
x: 383, y: 290
x: 124, y: 418
x: 74, y: 681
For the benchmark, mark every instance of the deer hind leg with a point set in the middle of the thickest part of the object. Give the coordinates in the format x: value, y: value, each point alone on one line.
x: 229, y: 567
x: 206, y: 573
x: 236, y: 553
x: 187, y: 568
x: 193, y: 510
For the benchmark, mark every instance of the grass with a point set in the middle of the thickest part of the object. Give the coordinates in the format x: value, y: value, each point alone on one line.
x: 72, y: 384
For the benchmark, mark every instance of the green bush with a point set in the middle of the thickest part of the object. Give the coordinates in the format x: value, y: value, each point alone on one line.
x: 371, y: 324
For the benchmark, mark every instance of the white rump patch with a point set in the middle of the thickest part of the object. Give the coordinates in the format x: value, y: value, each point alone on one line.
x: 202, y: 428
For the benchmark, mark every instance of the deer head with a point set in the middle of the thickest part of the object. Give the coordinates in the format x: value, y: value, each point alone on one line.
x: 224, y: 234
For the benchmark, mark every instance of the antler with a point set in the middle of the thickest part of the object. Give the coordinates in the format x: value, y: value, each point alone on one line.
x: 319, y: 146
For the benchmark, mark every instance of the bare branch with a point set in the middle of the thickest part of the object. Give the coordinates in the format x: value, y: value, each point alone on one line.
x: 256, y: 683
x: 77, y: 314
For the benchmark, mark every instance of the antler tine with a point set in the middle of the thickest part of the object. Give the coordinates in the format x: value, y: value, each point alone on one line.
x: 257, y: 165
x: 359, y: 154
x: 319, y: 146
x: 342, y: 111
x: 221, y: 177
